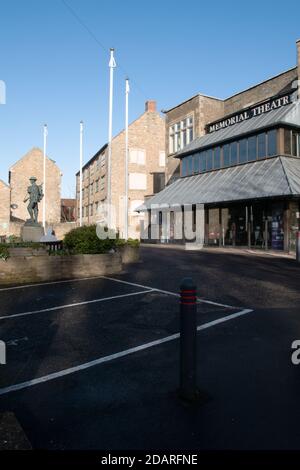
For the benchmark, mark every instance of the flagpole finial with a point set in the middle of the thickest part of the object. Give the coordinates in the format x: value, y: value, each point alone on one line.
x: 112, y: 62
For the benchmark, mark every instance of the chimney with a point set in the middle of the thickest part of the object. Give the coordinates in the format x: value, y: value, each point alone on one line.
x: 150, y: 106
x: 298, y: 64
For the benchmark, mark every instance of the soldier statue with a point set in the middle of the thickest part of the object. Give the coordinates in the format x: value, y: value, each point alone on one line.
x: 35, y: 195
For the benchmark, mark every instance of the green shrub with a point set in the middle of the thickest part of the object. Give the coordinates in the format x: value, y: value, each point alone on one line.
x: 4, y: 253
x: 84, y: 240
x: 133, y: 242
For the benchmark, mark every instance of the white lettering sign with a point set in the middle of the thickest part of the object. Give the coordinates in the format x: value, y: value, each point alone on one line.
x: 249, y: 113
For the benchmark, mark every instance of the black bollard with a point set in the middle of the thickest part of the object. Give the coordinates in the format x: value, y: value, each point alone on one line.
x: 188, y: 340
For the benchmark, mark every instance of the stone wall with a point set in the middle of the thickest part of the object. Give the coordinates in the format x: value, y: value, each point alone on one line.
x: 203, y: 109
x: 36, y: 266
x: 275, y: 85
x: 60, y: 229
x: 4, y: 208
x: 146, y: 133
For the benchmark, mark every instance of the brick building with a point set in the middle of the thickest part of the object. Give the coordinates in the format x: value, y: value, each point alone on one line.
x: 31, y: 164
x: 188, y: 120
x: 239, y: 157
x: 146, y: 168
x: 13, y: 210
x: 4, y: 208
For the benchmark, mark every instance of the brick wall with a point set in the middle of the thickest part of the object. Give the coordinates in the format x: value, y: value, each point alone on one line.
x: 4, y: 208
x: 203, y: 109
x: 260, y: 92
x: 146, y: 133
x: 32, y: 165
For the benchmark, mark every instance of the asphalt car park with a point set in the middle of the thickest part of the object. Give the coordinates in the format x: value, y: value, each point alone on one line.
x: 93, y: 363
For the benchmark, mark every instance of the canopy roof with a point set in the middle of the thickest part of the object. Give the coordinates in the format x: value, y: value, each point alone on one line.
x: 273, y: 177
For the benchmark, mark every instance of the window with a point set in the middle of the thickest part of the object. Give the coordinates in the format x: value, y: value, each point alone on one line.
x: 243, y: 151
x: 272, y: 142
x: 196, y: 162
x: 137, y: 156
x: 226, y: 155
x: 102, y: 183
x: 209, y: 159
x: 294, y: 144
x: 287, y: 142
x: 181, y: 134
x: 91, y: 189
x: 184, y: 167
x: 202, y: 161
x: 190, y: 165
x: 97, y: 164
x: 97, y: 186
x: 96, y: 207
x: 190, y: 130
x: 162, y: 159
x: 137, y: 181
x: 103, y: 159
x: 172, y: 139
x: 158, y: 182
x: 252, y: 148
x: 233, y: 153
x: 91, y: 209
x: 217, y: 157
x: 261, y: 145
x: 177, y: 137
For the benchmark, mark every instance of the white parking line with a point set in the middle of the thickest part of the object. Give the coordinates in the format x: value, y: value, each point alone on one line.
x: 59, y: 307
x: 26, y: 286
x: 101, y: 360
x: 204, y: 301
x: 116, y: 280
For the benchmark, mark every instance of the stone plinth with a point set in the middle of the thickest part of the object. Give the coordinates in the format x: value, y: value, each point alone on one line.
x: 32, y: 233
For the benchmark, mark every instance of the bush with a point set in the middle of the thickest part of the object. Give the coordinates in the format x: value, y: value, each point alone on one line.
x: 84, y: 240
x: 4, y: 253
x: 133, y: 242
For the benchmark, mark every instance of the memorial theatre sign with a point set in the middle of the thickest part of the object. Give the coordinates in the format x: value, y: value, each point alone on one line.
x: 250, y: 113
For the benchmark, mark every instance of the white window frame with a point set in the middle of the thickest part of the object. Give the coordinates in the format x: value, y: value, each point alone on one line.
x: 138, y: 181
x: 179, y: 132
x: 137, y: 156
x: 162, y: 159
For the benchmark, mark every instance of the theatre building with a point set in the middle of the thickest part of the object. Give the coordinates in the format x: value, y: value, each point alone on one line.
x: 240, y: 157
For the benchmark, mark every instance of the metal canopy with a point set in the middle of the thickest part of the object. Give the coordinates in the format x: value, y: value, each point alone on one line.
x: 278, y: 176
x: 287, y: 115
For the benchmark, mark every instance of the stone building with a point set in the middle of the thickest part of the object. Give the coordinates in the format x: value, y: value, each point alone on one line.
x: 31, y: 164
x: 240, y: 159
x: 4, y: 208
x: 188, y: 120
x: 146, y: 168
x: 13, y: 210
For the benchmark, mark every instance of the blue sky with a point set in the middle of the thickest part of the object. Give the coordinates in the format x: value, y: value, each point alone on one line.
x: 56, y: 72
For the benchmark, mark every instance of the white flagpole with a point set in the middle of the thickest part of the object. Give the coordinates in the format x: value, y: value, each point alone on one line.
x: 127, y: 90
x: 80, y: 172
x: 112, y: 65
x: 44, y: 175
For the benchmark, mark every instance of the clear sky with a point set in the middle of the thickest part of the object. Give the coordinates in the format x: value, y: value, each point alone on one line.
x: 56, y: 72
